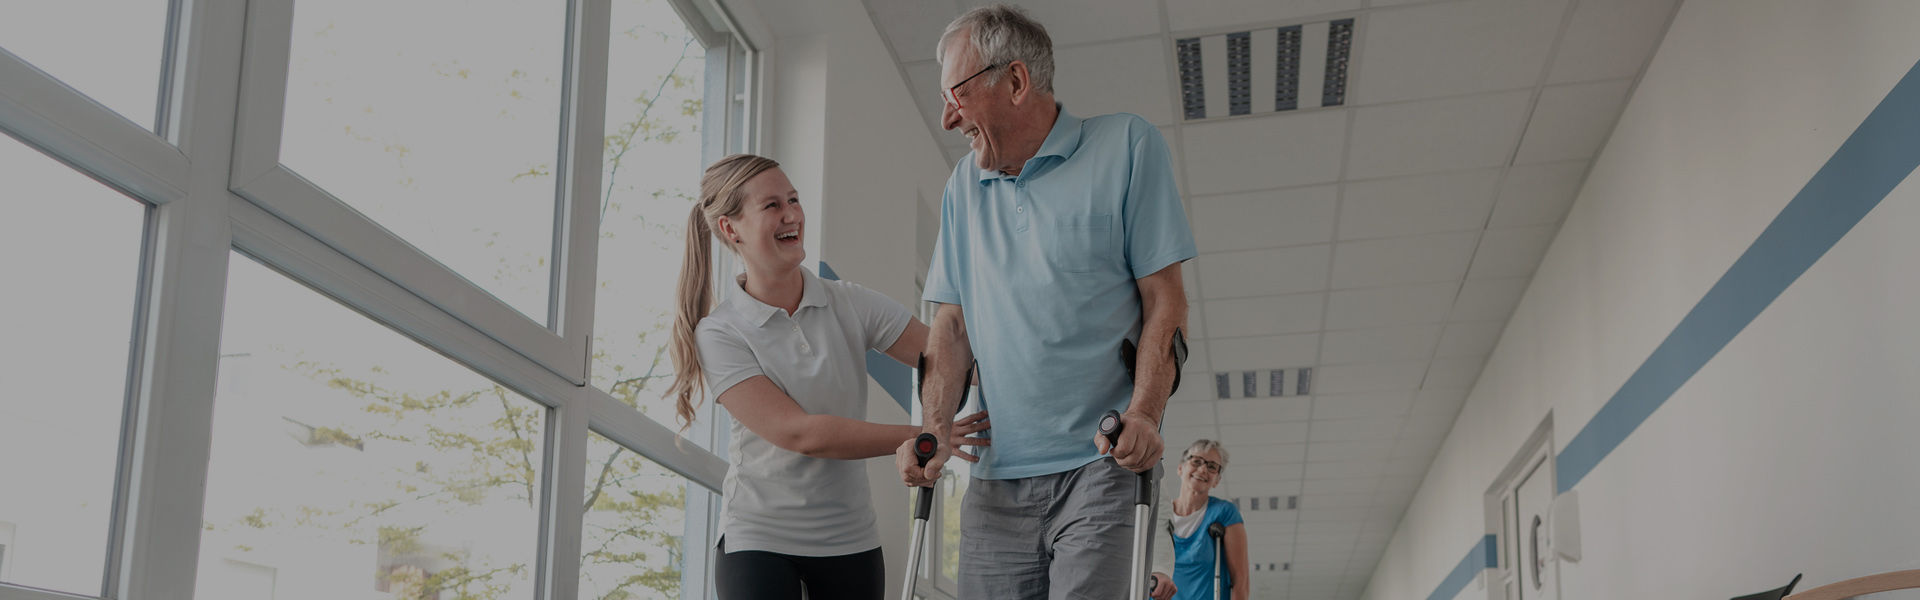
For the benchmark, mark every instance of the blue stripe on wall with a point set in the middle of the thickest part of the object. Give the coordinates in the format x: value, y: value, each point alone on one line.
x: 1484, y: 555
x: 1880, y: 154
x: 895, y: 378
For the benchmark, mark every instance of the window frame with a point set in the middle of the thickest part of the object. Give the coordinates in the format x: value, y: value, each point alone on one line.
x: 209, y: 173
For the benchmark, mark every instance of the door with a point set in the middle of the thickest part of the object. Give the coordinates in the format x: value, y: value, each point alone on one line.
x: 1530, y: 563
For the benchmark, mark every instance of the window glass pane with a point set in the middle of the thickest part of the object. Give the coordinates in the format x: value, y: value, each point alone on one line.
x: 69, y: 273
x: 635, y: 524
x: 350, y: 462
x: 439, y: 119
x: 110, y: 50
x: 652, y: 177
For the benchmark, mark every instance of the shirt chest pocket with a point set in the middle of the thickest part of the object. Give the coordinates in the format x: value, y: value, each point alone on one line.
x: 1079, y: 243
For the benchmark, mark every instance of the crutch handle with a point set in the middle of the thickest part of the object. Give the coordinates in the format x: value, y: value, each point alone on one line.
x: 1110, y: 426
x: 1216, y: 531
x: 923, y: 449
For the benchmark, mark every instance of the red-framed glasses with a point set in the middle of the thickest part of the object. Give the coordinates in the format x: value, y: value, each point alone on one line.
x: 950, y: 94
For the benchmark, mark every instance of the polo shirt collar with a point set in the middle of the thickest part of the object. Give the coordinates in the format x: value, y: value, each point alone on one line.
x: 814, y: 293
x: 1061, y: 141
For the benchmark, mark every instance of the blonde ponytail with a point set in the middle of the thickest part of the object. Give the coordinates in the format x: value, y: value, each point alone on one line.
x: 720, y: 196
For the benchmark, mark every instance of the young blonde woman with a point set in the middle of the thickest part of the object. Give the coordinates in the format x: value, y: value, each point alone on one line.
x: 1190, y: 558
x: 786, y: 354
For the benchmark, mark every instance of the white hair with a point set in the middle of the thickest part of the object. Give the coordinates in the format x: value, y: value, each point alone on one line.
x: 1002, y: 34
x: 1203, y: 446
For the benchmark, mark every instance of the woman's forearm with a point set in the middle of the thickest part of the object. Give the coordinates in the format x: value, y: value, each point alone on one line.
x: 828, y: 436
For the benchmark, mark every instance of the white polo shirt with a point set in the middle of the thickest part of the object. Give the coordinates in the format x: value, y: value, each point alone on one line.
x: 776, y: 500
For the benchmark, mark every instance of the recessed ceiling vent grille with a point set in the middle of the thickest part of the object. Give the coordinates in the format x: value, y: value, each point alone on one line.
x: 1263, y: 384
x: 1303, y: 66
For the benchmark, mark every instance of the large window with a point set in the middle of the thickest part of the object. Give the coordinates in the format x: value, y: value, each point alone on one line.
x: 633, y: 545
x: 651, y: 173
x: 350, y: 462
x: 109, y: 50
x: 440, y: 120
x: 69, y: 274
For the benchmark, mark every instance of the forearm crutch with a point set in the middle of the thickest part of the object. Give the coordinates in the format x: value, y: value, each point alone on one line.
x: 1218, y: 532
x: 1139, y: 583
x: 923, y: 451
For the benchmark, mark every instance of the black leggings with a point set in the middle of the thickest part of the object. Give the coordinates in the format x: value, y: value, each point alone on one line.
x: 758, y: 575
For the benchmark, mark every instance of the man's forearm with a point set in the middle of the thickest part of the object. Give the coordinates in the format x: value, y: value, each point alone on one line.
x: 947, y: 359
x: 1154, y: 369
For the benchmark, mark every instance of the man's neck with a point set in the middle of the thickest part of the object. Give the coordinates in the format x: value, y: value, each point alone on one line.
x: 1038, y: 127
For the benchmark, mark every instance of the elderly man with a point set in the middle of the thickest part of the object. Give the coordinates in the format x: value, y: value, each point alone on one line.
x: 1060, y: 238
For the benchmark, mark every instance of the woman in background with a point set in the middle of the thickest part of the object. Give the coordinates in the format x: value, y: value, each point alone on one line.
x: 1186, y: 518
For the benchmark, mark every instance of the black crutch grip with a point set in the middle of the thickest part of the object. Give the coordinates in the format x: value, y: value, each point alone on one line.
x: 923, y: 450
x: 920, y: 383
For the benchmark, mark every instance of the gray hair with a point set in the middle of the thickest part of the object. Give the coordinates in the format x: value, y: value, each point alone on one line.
x: 1002, y: 34
x: 1203, y: 446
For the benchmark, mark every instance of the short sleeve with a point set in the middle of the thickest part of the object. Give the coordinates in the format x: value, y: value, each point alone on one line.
x: 1157, y: 232
x: 725, y: 358
x: 1229, y: 514
x: 882, y: 320
x: 944, y: 282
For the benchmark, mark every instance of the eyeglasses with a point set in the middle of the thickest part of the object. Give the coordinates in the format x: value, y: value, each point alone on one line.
x: 952, y: 98
x: 1201, y: 463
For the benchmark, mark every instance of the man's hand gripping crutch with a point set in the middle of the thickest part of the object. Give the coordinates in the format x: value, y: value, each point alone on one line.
x: 1141, y: 450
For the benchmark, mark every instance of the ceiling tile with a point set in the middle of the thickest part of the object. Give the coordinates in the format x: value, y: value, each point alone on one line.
x: 1610, y: 39
x: 1487, y: 300
x: 1105, y: 79
x: 1346, y: 468
x: 1172, y: 136
x: 1267, y: 454
x: 1188, y: 414
x: 1572, y: 120
x: 1312, y: 501
x: 1292, y: 432
x: 1348, y: 406
x: 1267, y: 315
x: 1265, y: 488
x: 1400, y: 483
x: 1454, y: 372
x: 1346, y: 430
x: 1264, y: 152
x: 1439, y: 401
x: 1187, y: 15
x: 1345, y: 513
x: 1264, y: 410
x: 1379, y: 345
x: 1417, y: 447
x: 1072, y: 22
x: 1244, y: 221
x: 1408, y: 466
x: 1190, y: 277
x: 1427, y: 426
x: 1196, y: 321
x: 1475, y: 338
x: 913, y: 28
x: 1330, y: 526
x: 1403, y: 260
x: 1354, y: 450
x: 1381, y: 377
x: 1263, y: 352
x: 1280, y: 472
x: 1456, y: 48
x: 1418, y: 204
x: 1269, y: 272
x: 1538, y: 194
x: 1431, y: 136
x: 1390, y: 306
x: 1514, y: 252
x: 1198, y: 366
x: 1341, y: 486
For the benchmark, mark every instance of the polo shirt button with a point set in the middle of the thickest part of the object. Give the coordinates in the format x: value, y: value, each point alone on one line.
x: 796, y: 328
x: 1019, y: 209
x: 806, y: 347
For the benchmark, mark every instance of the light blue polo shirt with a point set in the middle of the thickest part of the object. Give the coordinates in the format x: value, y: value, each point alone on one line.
x: 1044, y: 266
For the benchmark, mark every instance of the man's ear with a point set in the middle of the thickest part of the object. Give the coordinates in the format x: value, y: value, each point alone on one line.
x: 1022, y: 81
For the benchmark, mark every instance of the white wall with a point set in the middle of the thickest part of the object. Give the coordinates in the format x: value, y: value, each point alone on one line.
x: 843, y: 124
x: 1793, y: 449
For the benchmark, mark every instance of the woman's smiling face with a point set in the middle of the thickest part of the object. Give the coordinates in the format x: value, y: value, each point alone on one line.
x: 1199, y: 475
x: 771, y: 226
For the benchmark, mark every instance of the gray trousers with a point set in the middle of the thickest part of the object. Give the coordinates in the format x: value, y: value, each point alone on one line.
x: 1051, y: 537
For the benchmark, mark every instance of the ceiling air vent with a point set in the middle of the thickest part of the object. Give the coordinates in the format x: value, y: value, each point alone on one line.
x: 1279, y: 382
x: 1303, y: 66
